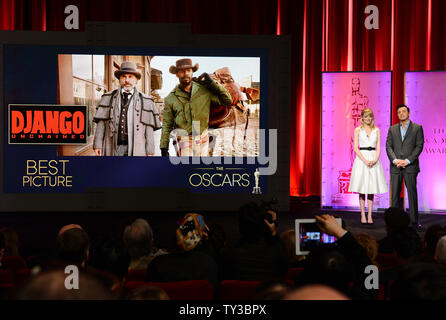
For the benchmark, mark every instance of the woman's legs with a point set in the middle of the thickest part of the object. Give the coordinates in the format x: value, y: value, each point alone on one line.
x: 362, y: 205
x: 370, y: 208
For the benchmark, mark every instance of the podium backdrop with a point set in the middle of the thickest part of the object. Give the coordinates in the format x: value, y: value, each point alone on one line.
x: 344, y: 96
x: 426, y: 98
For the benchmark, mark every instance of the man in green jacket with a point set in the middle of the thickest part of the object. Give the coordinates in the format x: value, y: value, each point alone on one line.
x: 187, y: 107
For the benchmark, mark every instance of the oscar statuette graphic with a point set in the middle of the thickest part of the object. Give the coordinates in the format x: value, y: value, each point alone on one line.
x: 256, y: 189
x: 356, y: 102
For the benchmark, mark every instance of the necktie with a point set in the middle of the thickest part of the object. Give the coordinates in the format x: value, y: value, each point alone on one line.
x: 126, y: 97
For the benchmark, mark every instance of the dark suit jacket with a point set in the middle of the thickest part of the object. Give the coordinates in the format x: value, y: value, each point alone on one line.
x: 409, y: 149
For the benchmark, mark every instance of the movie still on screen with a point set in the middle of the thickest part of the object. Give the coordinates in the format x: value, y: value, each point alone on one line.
x: 232, y: 128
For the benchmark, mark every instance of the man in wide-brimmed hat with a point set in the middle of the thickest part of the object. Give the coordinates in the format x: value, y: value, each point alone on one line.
x: 187, y: 108
x: 126, y: 118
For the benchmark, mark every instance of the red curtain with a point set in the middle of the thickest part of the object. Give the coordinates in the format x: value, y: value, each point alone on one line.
x: 327, y: 35
x: 331, y: 36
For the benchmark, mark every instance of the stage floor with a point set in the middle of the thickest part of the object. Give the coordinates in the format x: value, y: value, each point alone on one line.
x: 307, y: 208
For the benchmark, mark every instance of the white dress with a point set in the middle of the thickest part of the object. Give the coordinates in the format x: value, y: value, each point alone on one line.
x: 364, y: 179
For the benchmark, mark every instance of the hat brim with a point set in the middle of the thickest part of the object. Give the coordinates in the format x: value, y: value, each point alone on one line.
x: 119, y: 73
x: 174, y: 69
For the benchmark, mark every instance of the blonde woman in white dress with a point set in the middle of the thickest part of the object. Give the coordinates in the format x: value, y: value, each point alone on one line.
x: 367, y: 176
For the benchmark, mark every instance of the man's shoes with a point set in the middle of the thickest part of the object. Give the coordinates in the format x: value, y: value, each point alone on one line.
x: 417, y: 227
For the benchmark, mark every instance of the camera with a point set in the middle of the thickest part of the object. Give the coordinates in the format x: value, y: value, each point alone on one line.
x: 269, y: 205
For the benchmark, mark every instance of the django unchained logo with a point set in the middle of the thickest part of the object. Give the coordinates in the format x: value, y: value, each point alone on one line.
x: 47, y: 124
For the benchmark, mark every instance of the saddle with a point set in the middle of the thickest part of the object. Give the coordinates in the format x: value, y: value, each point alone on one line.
x: 236, y: 113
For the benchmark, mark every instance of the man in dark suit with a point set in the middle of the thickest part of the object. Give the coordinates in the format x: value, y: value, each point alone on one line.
x: 404, y: 144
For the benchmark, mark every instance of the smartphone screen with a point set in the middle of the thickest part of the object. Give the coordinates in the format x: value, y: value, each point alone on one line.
x: 310, y: 235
